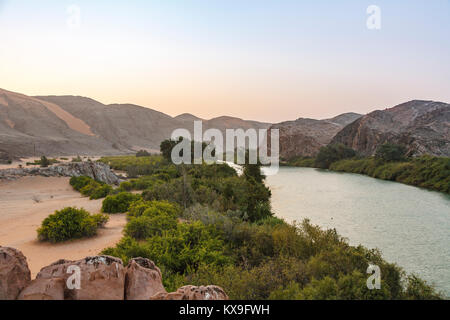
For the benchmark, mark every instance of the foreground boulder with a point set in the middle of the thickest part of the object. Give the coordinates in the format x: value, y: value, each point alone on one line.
x: 143, y: 280
x: 193, y: 293
x: 92, y: 278
x: 44, y: 289
x: 14, y: 273
x: 101, y: 278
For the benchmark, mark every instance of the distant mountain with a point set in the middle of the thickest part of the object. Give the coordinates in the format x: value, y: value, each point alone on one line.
x: 304, y: 137
x: 31, y: 126
x: 127, y: 126
x: 345, y: 118
x: 187, y: 117
x: 70, y: 125
x: 422, y: 126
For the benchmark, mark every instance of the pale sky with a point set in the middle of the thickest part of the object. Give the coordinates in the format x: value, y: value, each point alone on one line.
x: 263, y: 60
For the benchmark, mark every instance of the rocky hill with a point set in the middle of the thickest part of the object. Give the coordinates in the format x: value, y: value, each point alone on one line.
x: 422, y: 126
x: 304, y: 137
x: 71, y: 125
x: 29, y: 125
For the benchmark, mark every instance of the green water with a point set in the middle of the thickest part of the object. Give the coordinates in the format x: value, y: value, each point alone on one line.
x: 411, y: 226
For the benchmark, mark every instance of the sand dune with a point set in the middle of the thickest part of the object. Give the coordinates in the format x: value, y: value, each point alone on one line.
x: 26, y: 202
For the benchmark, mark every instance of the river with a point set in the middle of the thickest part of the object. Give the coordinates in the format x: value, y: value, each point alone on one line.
x: 411, y: 226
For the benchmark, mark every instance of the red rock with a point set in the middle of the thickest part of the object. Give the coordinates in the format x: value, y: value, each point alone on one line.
x: 14, y: 273
x: 101, y: 278
x: 143, y: 280
x: 44, y: 289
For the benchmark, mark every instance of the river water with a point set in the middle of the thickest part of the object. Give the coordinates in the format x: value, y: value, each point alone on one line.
x: 411, y: 226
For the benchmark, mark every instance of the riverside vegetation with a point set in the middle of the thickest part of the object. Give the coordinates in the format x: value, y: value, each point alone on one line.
x: 205, y: 224
x: 389, y: 163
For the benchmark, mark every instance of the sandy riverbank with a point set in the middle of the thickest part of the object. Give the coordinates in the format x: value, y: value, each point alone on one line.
x: 27, y: 201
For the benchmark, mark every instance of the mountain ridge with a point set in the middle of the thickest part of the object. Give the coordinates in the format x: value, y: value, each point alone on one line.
x: 422, y: 126
x: 71, y: 125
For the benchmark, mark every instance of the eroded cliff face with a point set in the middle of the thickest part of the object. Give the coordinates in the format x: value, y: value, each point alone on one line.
x: 305, y: 137
x: 422, y: 126
x: 99, y: 278
x: 96, y: 170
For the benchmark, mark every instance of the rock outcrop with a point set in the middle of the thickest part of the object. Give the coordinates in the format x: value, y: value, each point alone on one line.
x: 304, y: 137
x: 92, y: 278
x: 143, y: 280
x: 96, y: 170
x: 193, y: 293
x: 423, y: 127
x: 14, y: 273
x: 44, y: 289
x: 101, y: 278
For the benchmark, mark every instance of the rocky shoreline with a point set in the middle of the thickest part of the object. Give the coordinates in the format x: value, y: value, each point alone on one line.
x: 92, y: 278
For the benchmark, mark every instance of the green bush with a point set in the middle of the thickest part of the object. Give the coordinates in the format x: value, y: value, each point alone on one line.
x: 332, y: 153
x: 126, y: 186
x: 101, y: 192
x: 90, y: 188
x: 119, y: 203
x: 178, y: 249
x: 142, y: 153
x: 70, y: 223
x: 418, y: 289
x: 152, y: 208
x: 138, y: 228
x: 390, y: 152
x: 79, y: 182
x: 44, y: 162
x: 144, y: 227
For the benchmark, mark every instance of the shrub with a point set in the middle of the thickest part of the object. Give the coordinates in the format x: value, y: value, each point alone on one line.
x: 90, y: 188
x: 142, y: 153
x: 126, y: 186
x: 101, y: 191
x: 44, y: 162
x: 418, y: 289
x: 138, y: 228
x: 147, y: 226
x: 70, y: 223
x: 119, y: 203
x: 332, y: 153
x: 153, y: 208
x: 390, y: 152
x: 79, y: 182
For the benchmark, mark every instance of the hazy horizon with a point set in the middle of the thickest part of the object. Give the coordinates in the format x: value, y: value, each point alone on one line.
x: 269, y: 61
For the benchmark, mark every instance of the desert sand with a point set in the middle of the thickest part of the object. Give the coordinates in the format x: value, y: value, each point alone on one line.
x: 25, y: 202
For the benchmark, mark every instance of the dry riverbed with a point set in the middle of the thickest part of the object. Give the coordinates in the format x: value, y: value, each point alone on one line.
x: 25, y: 202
